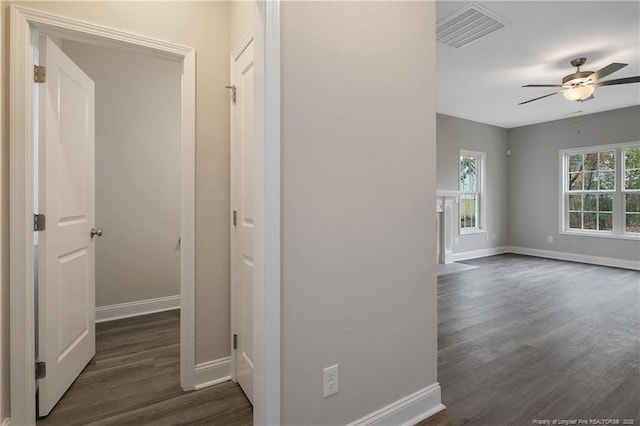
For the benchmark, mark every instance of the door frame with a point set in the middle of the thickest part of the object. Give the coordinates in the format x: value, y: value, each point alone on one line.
x: 24, y: 22
x: 267, y: 255
x: 267, y: 262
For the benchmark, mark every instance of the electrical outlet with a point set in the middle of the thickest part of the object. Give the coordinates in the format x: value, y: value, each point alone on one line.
x: 494, y: 237
x: 549, y: 239
x: 456, y: 240
x: 330, y: 380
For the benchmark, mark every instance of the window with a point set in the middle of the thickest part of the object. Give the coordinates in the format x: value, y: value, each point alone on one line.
x: 632, y: 190
x: 592, y: 185
x: 471, y: 188
x: 601, y: 191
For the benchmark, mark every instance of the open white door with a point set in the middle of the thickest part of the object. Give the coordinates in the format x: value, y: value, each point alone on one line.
x: 66, y: 261
x: 242, y: 230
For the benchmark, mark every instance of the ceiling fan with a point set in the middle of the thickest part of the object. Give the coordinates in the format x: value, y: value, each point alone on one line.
x: 580, y: 85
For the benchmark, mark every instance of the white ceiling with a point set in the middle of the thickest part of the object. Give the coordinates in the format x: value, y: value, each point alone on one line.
x: 482, y: 81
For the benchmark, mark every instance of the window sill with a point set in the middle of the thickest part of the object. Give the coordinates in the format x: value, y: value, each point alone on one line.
x: 472, y: 231
x: 633, y: 237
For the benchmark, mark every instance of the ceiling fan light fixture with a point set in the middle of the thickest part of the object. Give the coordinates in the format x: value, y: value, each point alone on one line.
x: 580, y: 85
x: 578, y: 93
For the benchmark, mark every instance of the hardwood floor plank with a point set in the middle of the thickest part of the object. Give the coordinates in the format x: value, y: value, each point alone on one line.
x: 524, y: 338
x: 134, y: 380
x: 520, y: 338
x: 198, y: 407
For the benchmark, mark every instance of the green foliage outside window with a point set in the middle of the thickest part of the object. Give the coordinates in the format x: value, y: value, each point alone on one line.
x: 593, y: 195
x: 469, y: 185
x: 631, y: 183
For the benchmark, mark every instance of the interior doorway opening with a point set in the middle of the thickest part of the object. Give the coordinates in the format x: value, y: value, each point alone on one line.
x: 135, y: 217
x: 26, y: 25
x: 23, y: 21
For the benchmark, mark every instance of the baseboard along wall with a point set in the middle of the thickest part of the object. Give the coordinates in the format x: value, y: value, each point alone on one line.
x: 558, y: 255
x: 134, y: 309
x: 572, y: 257
x: 475, y: 254
x: 212, y: 372
x: 406, y: 411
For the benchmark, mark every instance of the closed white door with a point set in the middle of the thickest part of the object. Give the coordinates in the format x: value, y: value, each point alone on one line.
x: 66, y: 261
x: 242, y: 229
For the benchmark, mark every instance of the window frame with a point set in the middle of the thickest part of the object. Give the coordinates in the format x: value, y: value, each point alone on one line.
x: 480, y: 194
x: 618, y: 207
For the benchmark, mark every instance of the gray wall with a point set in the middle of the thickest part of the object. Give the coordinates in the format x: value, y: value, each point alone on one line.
x: 534, y: 188
x: 358, y: 184
x: 454, y: 134
x: 137, y: 172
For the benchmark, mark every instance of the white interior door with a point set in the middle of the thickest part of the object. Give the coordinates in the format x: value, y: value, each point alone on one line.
x: 66, y: 261
x: 242, y: 230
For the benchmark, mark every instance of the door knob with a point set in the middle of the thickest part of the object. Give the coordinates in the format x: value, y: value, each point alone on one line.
x: 95, y: 232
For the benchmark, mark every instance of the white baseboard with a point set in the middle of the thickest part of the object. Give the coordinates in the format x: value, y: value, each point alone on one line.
x: 406, y: 411
x: 474, y: 254
x: 140, y: 307
x: 212, y: 372
x: 573, y: 257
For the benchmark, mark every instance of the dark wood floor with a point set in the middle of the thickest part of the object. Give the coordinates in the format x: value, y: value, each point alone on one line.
x: 524, y: 338
x: 520, y: 338
x: 134, y: 379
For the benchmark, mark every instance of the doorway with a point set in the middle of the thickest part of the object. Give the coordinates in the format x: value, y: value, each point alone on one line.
x: 137, y: 167
x: 133, y: 207
x: 267, y: 200
x: 26, y: 24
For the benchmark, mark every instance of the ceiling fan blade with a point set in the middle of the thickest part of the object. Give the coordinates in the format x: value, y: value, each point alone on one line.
x: 603, y: 72
x: 625, y: 80
x: 535, y: 99
x: 543, y: 85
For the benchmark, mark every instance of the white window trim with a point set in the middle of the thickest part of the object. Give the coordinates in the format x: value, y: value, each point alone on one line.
x: 563, y: 214
x: 482, y: 194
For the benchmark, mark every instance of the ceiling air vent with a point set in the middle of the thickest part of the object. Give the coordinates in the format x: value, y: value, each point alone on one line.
x: 467, y: 25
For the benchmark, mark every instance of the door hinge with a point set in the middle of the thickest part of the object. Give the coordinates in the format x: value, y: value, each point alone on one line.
x: 233, y: 92
x: 39, y: 222
x: 41, y: 370
x: 39, y: 74
x: 235, y: 341
x: 235, y: 218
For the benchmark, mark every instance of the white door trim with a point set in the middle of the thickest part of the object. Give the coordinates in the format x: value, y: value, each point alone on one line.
x: 266, y: 316
x: 22, y: 352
